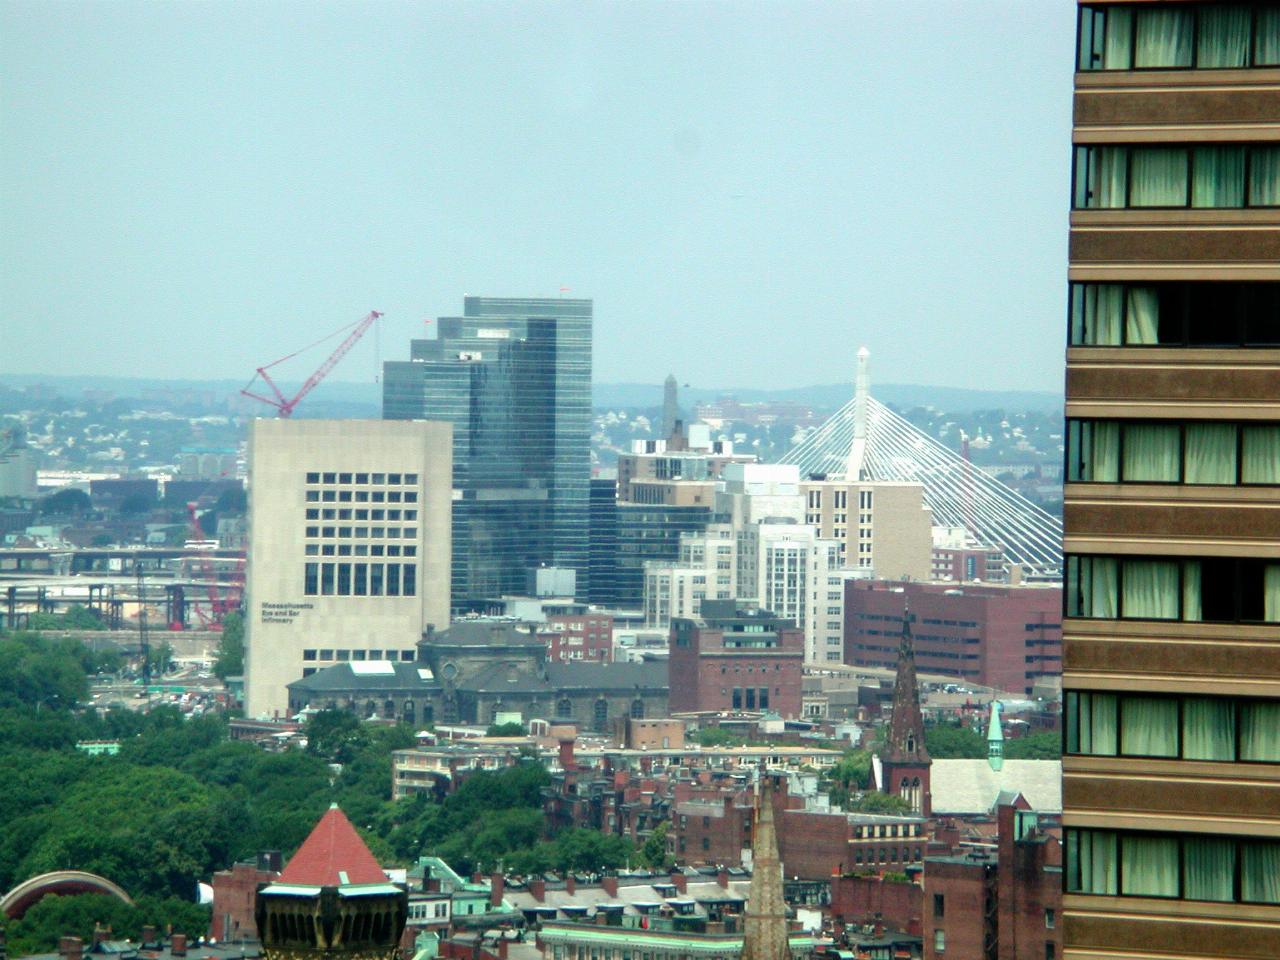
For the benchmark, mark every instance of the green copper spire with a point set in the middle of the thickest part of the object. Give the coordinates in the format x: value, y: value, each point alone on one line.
x: 995, y: 738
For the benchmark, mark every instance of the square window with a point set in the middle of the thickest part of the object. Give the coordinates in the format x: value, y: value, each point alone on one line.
x: 393, y: 550
x: 313, y: 514
x: 362, y: 531
x: 344, y: 496
x: 375, y: 550
x: 313, y: 496
x: 410, y: 478
x: 313, y: 478
x: 308, y: 654
x: 344, y: 478
x: 330, y: 478
x: 344, y: 514
x: 411, y: 514
x: 344, y: 531
x: 408, y: 656
x: 378, y: 514
x: 393, y: 478
x: 378, y: 496
x: 313, y: 531
x: 362, y: 478
x: 393, y: 514
x: 362, y: 550
x: 326, y: 654
x: 326, y: 531
x: 379, y: 478
x: 344, y: 549
x: 411, y: 496
x: 327, y: 496
x: 393, y: 496
x: 327, y: 514
x: 312, y: 550
x: 362, y: 514
x: 344, y: 655
x: 362, y: 496
x: 410, y: 551
x: 327, y: 550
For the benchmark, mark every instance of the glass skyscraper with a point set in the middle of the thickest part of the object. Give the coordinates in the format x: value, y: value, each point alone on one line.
x: 513, y: 376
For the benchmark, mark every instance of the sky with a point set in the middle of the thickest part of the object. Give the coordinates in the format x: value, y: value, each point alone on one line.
x: 748, y: 190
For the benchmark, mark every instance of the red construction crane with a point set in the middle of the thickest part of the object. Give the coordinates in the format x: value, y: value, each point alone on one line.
x: 219, y: 604
x: 285, y: 405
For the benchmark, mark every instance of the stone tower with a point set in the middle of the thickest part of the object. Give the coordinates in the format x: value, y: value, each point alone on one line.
x: 332, y: 902
x: 906, y: 762
x: 764, y: 923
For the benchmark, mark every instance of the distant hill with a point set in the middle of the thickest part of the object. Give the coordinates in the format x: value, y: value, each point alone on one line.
x: 345, y: 399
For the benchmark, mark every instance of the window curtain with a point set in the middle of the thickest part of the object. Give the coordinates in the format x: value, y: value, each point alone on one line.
x: 1149, y: 866
x: 1208, y: 729
x: 1148, y: 727
x: 1151, y: 452
x: 1142, y: 320
x: 1260, y: 872
x: 1092, y: 585
x: 1099, y: 311
x: 1150, y: 590
x: 1103, y: 176
x: 1095, y: 451
x: 1260, y: 732
x: 1264, y: 177
x: 1261, y: 461
x: 1119, y: 40
x: 1158, y: 177
x: 1223, y: 37
x: 1209, y: 871
x: 1217, y: 177
x: 1094, y: 730
x: 1091, y: 858
x: 1266, y: 43
x: 1163, y: 38
x: 1192, y: 607
x: 1210, y: 454
x: 1271, y: 593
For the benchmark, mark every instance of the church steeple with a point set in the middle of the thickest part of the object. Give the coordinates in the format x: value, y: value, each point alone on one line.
x: 995, y: 738
x: 764, y: 923
x: 906, y: 758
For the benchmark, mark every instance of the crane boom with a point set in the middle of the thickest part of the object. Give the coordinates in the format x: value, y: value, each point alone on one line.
x: 285, y: 405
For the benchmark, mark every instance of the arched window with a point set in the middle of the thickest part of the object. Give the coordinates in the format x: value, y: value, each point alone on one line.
x: 600, y: 714
x: 428, y: 713
x: 911, y: 743
x: 564, y: 707
x: 637, y: 709
x: 389, y: 709
x: 370, y: 709
x: 409, y: 714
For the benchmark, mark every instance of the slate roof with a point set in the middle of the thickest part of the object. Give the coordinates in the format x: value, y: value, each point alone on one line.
x: 341, y: 677
x: 647, y: 675
x: 503, y: 678
x: 333, y: 855
x: 972, y: 787
x: 484, y: 632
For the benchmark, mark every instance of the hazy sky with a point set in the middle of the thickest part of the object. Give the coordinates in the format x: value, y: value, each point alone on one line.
x: 748, y: 190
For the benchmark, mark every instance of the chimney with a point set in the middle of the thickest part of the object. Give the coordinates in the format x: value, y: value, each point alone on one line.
x: 567, y: 761
x: 722, y: 878
x: 477, y: 878
x: 538, y: 889
x: 70, y: 948
x: 432, y: 885
x: 148, y: 935
x: 878, y: 927
x: 610, y: 885
x: 679, y: 881
x: 497, y: 885
x: 570, y: 884
x: 178, y: 945
x: 100, y: 934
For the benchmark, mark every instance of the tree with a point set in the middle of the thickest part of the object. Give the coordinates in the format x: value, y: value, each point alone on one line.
x: 230, y: 659
x: 852, y: 772
x: 53, y: 917
x: 873, y: 801
x: 505, y: 730
x: 40, y: 673
x: 653, y: 852
x: 948, y: 741
x: 1034, y: 746
x: 136, y: 504
x: 335, y: 735
x: 66, y: 502
x: 718, y: 737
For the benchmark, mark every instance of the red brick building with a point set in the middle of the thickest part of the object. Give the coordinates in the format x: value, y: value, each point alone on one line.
x: 734, y: 660
x: 997, y: 905
x: 998, y: 636
x: 580, y: 636
x: 864, y: 899
x: 233, y: 897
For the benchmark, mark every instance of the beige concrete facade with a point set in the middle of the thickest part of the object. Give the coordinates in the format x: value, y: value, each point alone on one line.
x: 349, y: 549
x: 880, y: 526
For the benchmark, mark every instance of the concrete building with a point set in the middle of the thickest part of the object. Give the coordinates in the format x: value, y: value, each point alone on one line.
x: 732, y: 659
x: 882, y: 527
x: 18, y: 473
x: 995, y: 636
x: 1171, y: 651
x: 349, y: 547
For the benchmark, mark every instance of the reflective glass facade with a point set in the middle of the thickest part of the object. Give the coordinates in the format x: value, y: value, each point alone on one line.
x: 513, y: 376
x: 650, y: 533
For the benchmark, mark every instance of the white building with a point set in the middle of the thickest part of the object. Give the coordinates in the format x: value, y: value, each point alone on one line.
x: 349, y: 533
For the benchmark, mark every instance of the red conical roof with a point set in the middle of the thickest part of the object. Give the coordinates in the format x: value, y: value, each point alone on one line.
x: 333, y: 855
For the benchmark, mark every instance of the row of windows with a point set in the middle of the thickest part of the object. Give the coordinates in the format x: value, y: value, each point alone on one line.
x: 362, y: 496
x: 1115, y: 451
x: 1212, y: 177
x: 360, y: 579
x: 406, y: 656
x: 1186, y: 728
x: 1183, y: 867
x: 376, y: 533
x: 360, y: 550
x: 1207, y: 589
x: 1209, y: 314
x: 1181, y: 37
x: 346, y: 513
x: 394, y: 479
x: 748, y: 699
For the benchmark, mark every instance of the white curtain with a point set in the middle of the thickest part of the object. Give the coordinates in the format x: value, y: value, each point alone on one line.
x: 1260, y: 731
x: 1151, y: 452
x: 1208, y: 729
x: 1148, y: 727
x: 1149, y: 866
x: 1261, y: 460
x: 1266, y: 43
x: 1217, y: 177
x: 1158, y: 177
x: 1099, y: 310
x: 1260, y: 871
x: 1092, y: 587
x: 1142, y: 319
x: 1150, y: 590
x: 1192, y: 607
x: 1091, y: 859
x: 1164, y: 38
x: 1223, y: 37
x: 1271, y: 593
x: 1210, y: 454
x: 1264, y: 176
x: 1210, y: 869
x: 1095, y: 455
x: 1109, y: 166
x: 1119, y: 39
x: 1094, y: 732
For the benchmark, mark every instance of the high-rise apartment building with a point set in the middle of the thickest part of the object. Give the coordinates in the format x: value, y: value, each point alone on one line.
x: 1171, y: 640
x: 348, y: 547
x: 513, y: 376
x: 883, y: 528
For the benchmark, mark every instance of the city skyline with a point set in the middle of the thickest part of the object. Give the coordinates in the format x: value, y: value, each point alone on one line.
x: 328, y: 161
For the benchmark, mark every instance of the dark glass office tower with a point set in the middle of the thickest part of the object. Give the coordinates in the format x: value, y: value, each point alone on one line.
x: 513, y: 376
